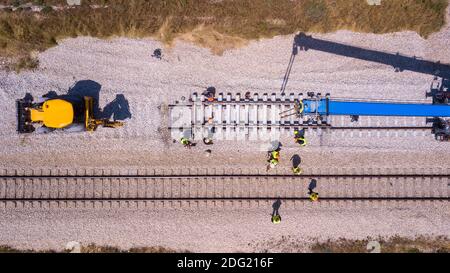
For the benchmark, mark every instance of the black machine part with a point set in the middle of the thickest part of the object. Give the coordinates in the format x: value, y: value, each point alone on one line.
x: 23, y: 116
x: 441, y: 128
x: 210, y: 92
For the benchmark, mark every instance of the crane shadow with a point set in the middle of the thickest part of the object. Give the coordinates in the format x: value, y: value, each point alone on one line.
x: 396, y: 60
x: 289, y: 68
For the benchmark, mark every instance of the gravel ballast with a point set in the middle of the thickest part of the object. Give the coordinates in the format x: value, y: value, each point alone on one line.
x: 219, y: 230
x: 125, y: 66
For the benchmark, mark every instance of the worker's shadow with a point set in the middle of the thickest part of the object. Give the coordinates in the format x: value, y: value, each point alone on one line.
x: 296, y: 160
x: 118, y: 109
x: 312, y: 185
x: 276, y: 207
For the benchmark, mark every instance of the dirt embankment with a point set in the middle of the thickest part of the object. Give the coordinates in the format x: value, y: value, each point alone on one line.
x: 218, y: 25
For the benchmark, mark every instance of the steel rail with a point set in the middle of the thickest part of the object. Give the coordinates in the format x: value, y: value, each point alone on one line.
x: 187, y: 176
x: 310, y: 126
x: 268, y: 198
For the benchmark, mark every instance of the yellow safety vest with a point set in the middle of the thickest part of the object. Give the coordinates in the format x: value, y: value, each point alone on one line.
x: 314, y: 196
x: 184, y: 141
x: 301, y: 141
x: 276, y: 219
x: 297, y: 170
x: 275, y: 154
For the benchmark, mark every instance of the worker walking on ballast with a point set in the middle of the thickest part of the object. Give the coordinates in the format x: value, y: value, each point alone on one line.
x: 276, y: 218
x: 274, y: 158
x: 296, y: 169
x: 186, y: 142
x: 314, y: 196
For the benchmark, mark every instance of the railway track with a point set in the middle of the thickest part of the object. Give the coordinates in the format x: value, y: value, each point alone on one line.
x: 173, y: 190
x: 261, y: 118
x: 341, y: 127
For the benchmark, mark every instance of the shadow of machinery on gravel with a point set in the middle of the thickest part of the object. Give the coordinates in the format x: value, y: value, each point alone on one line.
x: 303, y: 42
x: 118, y: 109
x: 398, y: 62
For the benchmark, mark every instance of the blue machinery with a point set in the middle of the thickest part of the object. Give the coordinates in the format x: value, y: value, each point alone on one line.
x: 326, y: 106
x: 318, y: 109
x: 314, y: 110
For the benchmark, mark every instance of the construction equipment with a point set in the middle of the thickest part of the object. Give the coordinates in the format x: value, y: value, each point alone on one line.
x: 297, y: 110
x: 60, y: 112
x: 258, y: 117
x: 440, y: 93
x: 317, y: 110
x: 268, y: 116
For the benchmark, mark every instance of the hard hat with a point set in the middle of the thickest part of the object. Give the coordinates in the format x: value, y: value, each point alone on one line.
x: 302, y: 141
x: 296, y: 132
x: 276, y: 219
x: 297, y: 170
x: 314, y: 196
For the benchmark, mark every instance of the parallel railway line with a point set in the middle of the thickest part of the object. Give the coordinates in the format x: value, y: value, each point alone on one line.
x: 149, y: 190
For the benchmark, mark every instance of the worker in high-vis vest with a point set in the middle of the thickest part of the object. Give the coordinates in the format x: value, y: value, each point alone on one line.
x: 296, y: 161
x: 275, y: 154
x: 186, y: 142
x: 276, y: 219
x: 297, y: 170
x: 314, y: 196
x: 299, y: 137
x: 274, y: 158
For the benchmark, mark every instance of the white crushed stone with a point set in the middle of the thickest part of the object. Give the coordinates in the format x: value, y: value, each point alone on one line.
x: 124, y: 66
x: 217, y: 230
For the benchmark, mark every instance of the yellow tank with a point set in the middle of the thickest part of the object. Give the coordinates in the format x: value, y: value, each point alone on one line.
x: 59, y: 113
x: 55, y: 113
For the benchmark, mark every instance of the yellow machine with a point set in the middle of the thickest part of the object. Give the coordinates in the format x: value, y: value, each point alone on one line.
x: 91, y: 123
x: 59, y: 113
x: 55, y: 113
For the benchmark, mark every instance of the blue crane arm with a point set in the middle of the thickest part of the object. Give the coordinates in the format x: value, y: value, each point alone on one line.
x: 331, y: 107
